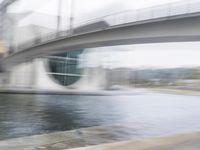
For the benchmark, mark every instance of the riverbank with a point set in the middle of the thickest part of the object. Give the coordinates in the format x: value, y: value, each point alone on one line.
x: 71, y: 139
x: 130, y: 91
x: 102, y: 138
x: 190, y: 141
x: 175, y: 91
x: 70, y: 92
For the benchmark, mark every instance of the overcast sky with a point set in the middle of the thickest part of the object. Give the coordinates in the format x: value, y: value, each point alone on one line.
x: 84, y: 6
x: 83, y: 10
x: 162, y: 55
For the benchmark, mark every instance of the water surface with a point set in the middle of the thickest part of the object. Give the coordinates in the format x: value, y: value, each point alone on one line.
x: 148, y: 114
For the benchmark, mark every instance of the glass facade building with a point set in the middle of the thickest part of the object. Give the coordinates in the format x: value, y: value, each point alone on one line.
x: 64, y: 67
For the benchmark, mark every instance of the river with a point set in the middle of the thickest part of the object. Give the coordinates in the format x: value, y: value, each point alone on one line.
x: 148, y: 113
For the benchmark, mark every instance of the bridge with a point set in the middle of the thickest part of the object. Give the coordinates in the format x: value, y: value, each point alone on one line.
x: 174, y: 22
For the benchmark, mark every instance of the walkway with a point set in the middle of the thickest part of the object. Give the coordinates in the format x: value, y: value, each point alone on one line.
x: 177, y: 142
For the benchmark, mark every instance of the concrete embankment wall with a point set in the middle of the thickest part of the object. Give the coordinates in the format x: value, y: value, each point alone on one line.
x: 34, y: 76
x: 30, y: 75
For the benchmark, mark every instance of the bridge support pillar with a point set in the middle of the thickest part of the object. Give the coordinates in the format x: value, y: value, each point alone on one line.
x: 32, y: 76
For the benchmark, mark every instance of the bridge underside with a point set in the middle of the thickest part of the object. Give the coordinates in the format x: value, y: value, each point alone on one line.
x: 174, y: 30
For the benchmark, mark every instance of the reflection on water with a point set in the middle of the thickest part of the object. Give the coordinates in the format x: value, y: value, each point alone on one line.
x: 149, y: 114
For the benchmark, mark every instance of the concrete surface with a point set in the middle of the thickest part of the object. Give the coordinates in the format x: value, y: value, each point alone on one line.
x: 95, y: 138
x: 71, y: 139
x: 177, y: 142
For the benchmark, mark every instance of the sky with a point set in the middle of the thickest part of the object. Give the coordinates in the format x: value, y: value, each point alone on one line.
x: 162, y: 55
x: 84, y: 6
x: 83, y: 10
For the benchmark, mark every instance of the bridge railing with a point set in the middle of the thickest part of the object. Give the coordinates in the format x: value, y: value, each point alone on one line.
x: 176, y: 9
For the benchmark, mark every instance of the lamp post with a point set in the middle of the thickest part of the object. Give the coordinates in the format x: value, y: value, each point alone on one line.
x: 59, y: 16
x: 71, y: 21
